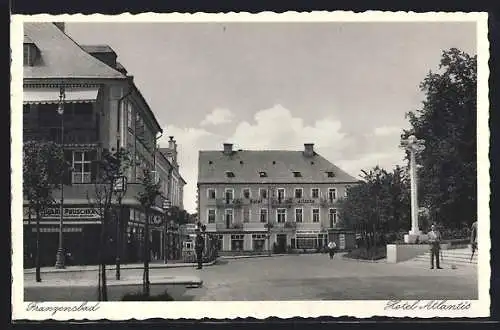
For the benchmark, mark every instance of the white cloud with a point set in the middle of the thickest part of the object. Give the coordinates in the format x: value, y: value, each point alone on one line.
x: 387, y: 130
x: 217, y: 116
x: 387, y: 160
x: 276, y: 128
x: 189, y: 141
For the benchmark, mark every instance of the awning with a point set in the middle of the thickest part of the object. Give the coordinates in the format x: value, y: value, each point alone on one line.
x: 51, y: 95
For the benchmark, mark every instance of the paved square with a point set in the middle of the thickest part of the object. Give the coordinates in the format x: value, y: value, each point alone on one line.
x: 296, y: 277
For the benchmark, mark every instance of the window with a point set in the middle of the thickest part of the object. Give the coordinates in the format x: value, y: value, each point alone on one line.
x: 211, y: 216
x: 315, y: 215
x: 130, y: 116
x: 81, y: 167
x: 262, y: 174
x: 229, y: 217
x: 246, y: 193
x: 211, y: 193
x: 298, y: 215
x: 258, y: 242
x: 281, y: 215
x: 332, y: 194
x: 346, y: 190
x: 315, y: 193
x: 246, y: 214
x: 297, y: 174
x: 26, y: 109
x: 298, y: 192
x: 29, y: 54
x: 332, y: 217
x: 330, y: 174
x: 263, y: 193
x: 229, y: 195
x: 237, y: 242
x: 281, y: 194
x: 263, y: 215
x: 230, y: 174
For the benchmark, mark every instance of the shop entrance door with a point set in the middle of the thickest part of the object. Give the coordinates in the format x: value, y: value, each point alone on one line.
x: 281, y: 243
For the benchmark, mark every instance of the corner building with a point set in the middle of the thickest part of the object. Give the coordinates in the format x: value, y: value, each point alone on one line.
x: 254, y: 201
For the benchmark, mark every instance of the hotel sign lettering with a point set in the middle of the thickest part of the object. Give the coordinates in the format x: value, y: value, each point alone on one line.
x: 306, y: 201
x: 76, y: 212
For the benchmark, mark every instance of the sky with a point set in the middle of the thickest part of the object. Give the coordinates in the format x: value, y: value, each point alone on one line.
x: 343, y: 86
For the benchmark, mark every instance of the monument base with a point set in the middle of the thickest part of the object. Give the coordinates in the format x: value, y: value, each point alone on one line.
x: 415, y: 237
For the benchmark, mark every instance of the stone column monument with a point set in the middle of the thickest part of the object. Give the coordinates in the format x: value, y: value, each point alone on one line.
x: 413, y: 145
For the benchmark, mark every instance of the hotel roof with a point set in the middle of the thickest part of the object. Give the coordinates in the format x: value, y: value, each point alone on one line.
x: 279, y: 166
x: 61, y: 57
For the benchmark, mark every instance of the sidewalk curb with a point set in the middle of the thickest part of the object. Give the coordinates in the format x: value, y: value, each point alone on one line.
x: 253, y: 256
x: 194, y: 282
x: 379, y: 261
x: 113, y: 267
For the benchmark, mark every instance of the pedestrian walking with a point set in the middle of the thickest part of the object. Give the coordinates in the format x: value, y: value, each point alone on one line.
x: 199, y: 246
x: 331, y: 248
x: 434, y: 242
x: 473, y: 239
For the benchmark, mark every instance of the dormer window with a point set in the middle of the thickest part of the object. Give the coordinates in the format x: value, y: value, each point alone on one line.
x: 330, y: 174
x: 297, y: 174
x: 230, y: 174
x: 262, y: 174
x: 30, y: 52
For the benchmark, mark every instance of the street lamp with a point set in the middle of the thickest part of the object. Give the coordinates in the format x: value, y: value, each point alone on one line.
x: 119, y: 187
x: 166, y: 207
x: 60, y: 251
x: 413, y: 146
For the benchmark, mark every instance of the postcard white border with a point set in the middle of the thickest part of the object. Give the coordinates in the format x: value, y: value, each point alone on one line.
x: 261, y: 309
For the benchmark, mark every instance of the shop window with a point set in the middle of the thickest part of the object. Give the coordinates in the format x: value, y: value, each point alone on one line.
x: 211, y: 216
x: 298, y: 192
x: 237, y: 242
x: 315, y: 215
x: 281, y: 215
x: 306, y: 242
x: 315, y: 193
x: 82, y: 163
x: 263, y: 215
x: 26, y: 109
x: 298, y: 215
x: 258, y: 242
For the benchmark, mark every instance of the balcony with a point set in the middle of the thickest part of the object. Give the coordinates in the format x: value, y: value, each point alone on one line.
x: 228, y: 203
x: 328, y: 202
x: 282, y: 203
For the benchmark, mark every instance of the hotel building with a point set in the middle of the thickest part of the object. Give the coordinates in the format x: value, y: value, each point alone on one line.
x: 103, y: 109
x: 240, y: 192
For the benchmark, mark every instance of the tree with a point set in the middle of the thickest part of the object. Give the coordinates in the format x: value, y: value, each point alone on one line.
x: 380, y: 203
x: 43, y: 166
x: 447, y: 123
x: 147, y: 198
x: 111, y: 165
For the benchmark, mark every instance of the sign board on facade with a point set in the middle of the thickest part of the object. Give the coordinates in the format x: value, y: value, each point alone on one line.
x: 69, y: 213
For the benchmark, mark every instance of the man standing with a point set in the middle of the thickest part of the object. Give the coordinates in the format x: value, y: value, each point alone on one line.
x: 473, y: 238
x: 434, y: 241
x: 331, y: 249
x: 199, y: 245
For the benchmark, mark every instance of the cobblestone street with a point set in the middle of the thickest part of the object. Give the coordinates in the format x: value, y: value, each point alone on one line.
x: 302, y: 277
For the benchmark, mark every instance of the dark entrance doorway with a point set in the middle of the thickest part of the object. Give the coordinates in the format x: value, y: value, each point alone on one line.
x: 280, y: 243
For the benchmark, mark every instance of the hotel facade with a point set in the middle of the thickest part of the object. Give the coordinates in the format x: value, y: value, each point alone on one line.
x: 103, y: 109
x: 254, y: 201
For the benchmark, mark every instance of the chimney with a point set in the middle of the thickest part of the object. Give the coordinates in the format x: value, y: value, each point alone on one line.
x: 228, y: 148
x: 60, y: 25
x: 172, y: 145
x: 308, y: 149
